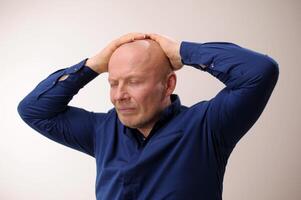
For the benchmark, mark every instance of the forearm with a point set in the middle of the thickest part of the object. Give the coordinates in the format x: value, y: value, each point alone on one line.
x: 51, y: 96
x: 233, y: 65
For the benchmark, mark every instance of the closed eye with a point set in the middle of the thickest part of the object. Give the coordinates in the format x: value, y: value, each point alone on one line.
x: 113, y: 84
x: 134, y: 82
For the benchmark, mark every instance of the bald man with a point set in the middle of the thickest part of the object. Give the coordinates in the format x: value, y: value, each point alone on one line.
x: 141, y: 80
x: 150, y: 146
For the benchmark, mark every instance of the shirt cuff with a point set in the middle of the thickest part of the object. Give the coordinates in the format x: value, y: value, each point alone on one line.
x: 190, y: 55
x: 78, y: 76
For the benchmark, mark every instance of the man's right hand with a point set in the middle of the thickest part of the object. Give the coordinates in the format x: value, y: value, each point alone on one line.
x: 100, y: 61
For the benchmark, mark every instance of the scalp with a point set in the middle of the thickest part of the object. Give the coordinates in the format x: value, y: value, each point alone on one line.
x: 146, y: 54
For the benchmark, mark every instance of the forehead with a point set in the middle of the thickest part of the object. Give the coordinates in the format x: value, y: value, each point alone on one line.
x: 126, y: 72
x: 128, y: 62
x: 131, y: 72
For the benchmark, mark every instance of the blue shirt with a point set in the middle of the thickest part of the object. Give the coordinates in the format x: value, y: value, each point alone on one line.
x: 186, y: 153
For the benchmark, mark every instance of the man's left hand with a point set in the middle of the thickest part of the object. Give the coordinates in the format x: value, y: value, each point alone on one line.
x: 170, y: 47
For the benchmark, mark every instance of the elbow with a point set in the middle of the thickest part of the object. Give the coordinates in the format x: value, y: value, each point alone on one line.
x: 22, y: 108
x: 272, y: 67
x: 269, y: 69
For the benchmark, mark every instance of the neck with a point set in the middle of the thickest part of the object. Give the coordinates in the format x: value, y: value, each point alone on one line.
x: 145, y: 131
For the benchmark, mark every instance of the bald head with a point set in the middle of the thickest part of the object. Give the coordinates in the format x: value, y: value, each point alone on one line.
x: 146, y: 55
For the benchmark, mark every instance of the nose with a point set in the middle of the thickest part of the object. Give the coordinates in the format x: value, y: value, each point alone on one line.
x: 121, y: 93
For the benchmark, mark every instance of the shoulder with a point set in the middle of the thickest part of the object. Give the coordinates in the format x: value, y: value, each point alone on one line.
x: 101, y: 118
x: 200, y: 107
x: 195, y: 112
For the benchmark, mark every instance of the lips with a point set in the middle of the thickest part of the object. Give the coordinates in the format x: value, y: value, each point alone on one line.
x: 126, y: 110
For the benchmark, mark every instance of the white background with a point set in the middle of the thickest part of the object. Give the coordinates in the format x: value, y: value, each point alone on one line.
x: 39, y: 37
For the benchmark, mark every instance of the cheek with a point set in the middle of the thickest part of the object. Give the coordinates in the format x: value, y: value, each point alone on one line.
x: 138, y: 96
x: 112, y: 96
x: 148, y: 99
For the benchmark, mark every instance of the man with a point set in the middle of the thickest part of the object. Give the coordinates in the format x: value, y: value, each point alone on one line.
x: 150, y: 146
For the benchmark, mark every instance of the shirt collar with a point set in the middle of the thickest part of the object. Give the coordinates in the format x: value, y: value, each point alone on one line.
x: 172, y: 110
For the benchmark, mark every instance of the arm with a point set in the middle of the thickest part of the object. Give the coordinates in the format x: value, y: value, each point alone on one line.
x: 250, y: 78
x: 46, y: 109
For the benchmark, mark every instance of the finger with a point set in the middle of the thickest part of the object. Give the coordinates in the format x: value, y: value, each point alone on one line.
x: 130, y: 37
x: 160, y: 38
x: 154, y: 36
x: 134, y: 36
x: 139, y: 36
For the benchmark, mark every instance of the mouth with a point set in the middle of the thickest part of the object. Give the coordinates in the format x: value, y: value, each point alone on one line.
x: 126, y: 110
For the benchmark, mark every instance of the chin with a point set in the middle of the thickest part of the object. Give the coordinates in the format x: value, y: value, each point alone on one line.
x: 131, y: 125
x: 134, y: 123
x: 128, y: 123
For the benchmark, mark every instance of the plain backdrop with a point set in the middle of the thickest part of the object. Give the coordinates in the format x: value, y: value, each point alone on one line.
x: 39, y: 37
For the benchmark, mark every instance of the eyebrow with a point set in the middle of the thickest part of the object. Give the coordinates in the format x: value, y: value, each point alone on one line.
x: 128, y: 77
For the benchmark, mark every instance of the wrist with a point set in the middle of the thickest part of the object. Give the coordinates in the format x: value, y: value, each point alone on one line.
x: 95, y: 66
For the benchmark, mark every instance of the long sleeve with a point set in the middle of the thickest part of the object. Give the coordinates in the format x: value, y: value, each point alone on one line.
x: 46, y: 109
x: 250, y: 78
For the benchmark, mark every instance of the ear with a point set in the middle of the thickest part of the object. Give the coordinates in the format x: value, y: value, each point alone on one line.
x: 171, y: 83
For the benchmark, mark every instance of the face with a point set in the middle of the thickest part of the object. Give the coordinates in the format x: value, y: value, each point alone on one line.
x: 137, y: 89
